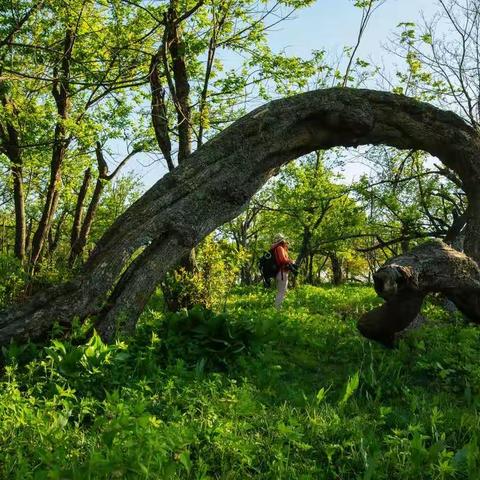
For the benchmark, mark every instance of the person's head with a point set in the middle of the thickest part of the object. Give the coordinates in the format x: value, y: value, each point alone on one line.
x: 279, y: 237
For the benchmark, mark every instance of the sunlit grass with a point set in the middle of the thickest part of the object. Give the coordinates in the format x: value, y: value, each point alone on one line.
x: 247, y: 392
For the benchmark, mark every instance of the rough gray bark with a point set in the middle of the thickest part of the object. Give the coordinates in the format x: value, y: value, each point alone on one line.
x: 214, y: 183
x: 126, y: 303
x: 405, y: 281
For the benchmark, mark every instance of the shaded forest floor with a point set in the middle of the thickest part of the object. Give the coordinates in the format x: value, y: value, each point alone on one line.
x: 250, y: 392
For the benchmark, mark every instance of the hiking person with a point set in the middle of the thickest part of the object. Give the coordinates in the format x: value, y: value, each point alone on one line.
x: 284, y: 264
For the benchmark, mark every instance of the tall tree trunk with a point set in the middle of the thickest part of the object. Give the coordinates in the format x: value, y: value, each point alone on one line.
x: 78, y: 217
x: 182, y: 86
x: 78, y: 246
x: 310, y: 269
x: 54, y: 238
x: 28, y: 240
x: 304, y: 249
x: 180, y: 91
x: 61, y: 93
x: 213, y: 186
x: 337, y: 271
x: 159, y: 112
x: 10, y: 146
x: 51, y: 201
x: 11, y: 142
x: 19, y: 201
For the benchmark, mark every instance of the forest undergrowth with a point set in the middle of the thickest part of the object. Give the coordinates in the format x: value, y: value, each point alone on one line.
x: 247, y: 392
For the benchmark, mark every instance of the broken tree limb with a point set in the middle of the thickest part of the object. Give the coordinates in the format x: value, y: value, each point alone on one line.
x: 404, y: 282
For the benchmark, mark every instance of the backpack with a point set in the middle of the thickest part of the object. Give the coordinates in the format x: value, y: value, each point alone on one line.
x: 268, y: 267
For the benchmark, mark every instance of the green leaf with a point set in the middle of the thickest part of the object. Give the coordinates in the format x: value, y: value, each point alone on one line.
x: 321, y: 395
x: 184, y: 459
x: 352, y: 386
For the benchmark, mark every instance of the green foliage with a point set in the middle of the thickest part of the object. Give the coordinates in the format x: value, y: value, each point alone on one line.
x: 407, y: 202
x: 117, y: 197
x: 250, y: 393
x: 12, y: 279
x: 315, y: 211
x: 204, y: 338
x: 418, y: 80
x: 215, y: 271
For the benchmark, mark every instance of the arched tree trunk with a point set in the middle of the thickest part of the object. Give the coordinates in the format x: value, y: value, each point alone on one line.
x: 136, y: 285
x: 214, y: 183
x: 404, y: 282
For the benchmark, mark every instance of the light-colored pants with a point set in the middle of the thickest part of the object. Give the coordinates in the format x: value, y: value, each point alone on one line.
x: 282, y: 282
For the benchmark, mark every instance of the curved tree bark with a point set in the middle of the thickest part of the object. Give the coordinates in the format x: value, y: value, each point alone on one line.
x: 405, y: 281
x: 214, y: 183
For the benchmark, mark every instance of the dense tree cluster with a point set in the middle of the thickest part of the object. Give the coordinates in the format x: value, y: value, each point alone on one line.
x: 85, y: 87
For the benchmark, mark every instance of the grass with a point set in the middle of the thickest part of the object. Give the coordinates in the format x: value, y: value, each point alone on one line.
x: 248, y: 392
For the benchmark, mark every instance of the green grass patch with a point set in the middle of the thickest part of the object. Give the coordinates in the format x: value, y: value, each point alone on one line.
x: 248, y: 392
